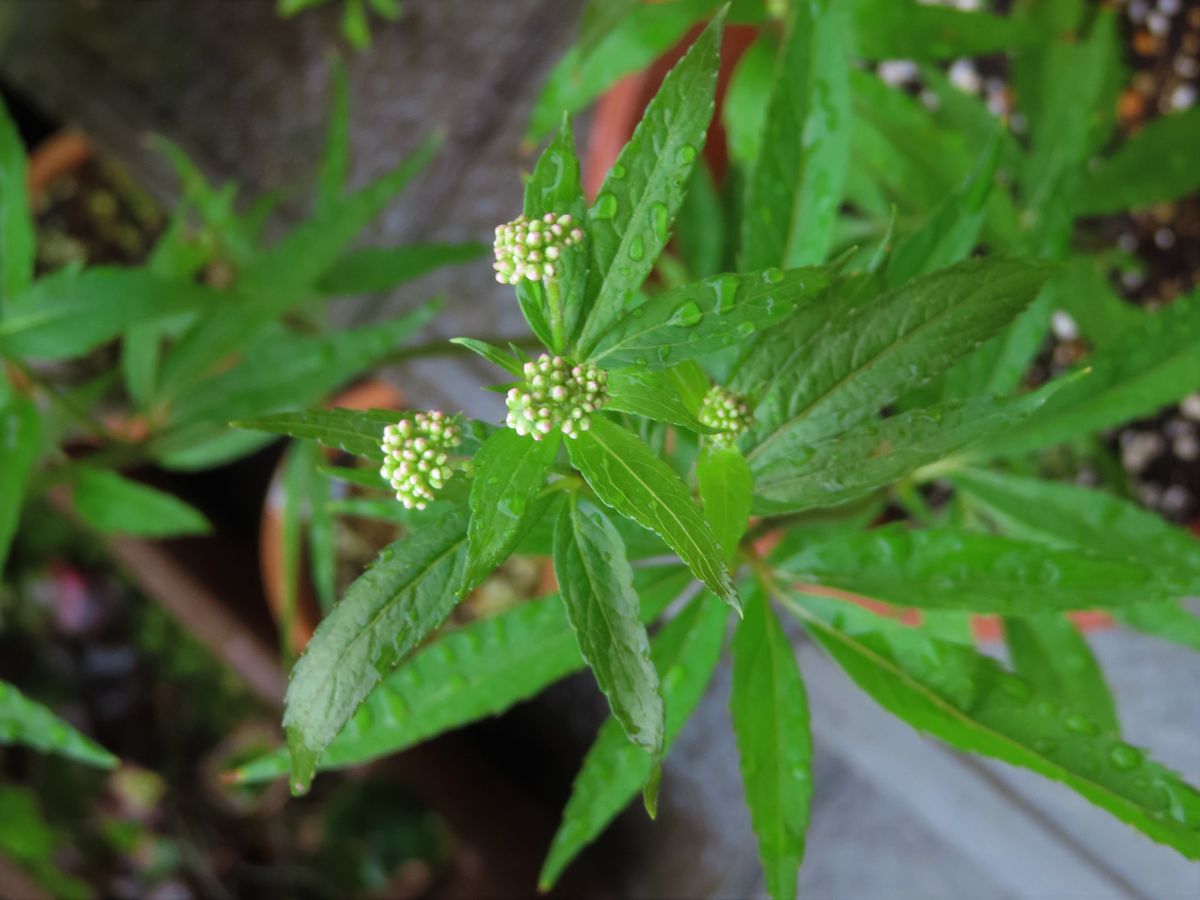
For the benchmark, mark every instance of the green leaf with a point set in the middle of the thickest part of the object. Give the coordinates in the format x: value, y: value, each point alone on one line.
x: 17, y: 235
x: 384, y: 615
x: 377, y: 269
x: 597, y: 590
x: 951, y: 231
x: 744, y: 111
x: 654, y: 394
x: 945, y: 568
x: 966, y: 700
x: 648, y: 31
x: 478, y: 670
x: 69, y: 313
x: 795, y: 187
x: 873, y: 455
x: 359, y: 432
x: 1153, y: 166
x: 700, y: 229
x: 630, y: 222
x: 22, y: 721
x: 510, y: 471
x: 355, y: 27
x: 771, y: 724
x: 1136, y: 374
x: 295, y: 371
x: 685, y: 654
x: 1067, y: 515
x: 335, y: 164
x: 627, y: 476
x: 703, y: 318
x: 113, y: 504
x: 20, y: 441
x: 846, y: 362
x: 1049, y: 651
x: 908, y: 29
x: 492, y: 354
x: 726, y: 489
x: 600, y: 18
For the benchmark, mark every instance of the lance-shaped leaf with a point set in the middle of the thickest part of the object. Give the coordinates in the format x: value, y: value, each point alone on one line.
x: 909, y: 29
x: 964, y: 698
x: 69, y: 312
x: 770, y: 722
x: 597, y: 590
x: 510, y: 471
x: 1153, y: 166
x: 655, y: 394
x: 1048, y: 650
x: 629, y: 477
x: 113, y: 504
x: 359, y: 432
x: 703, y: 318
x: 17, y: 235
x: 946, y: 568
x: 385, y: 613
x: 873, y: 455
x: 726, y: 490
x: 468, y: 673
x: 20, y: 441
x: 795, y: 187
x: 335, y: 162
x: 493, y: 354
x: 1067, y: 515
x: 685, y: 654
x: 376, y: 269
x: 1147, y: 367
x: 285, y: 275
x: 846, y: 362
x: 630, y: 222
x: 641, y: 36
x: 22, y: 721
x: 295, y: 371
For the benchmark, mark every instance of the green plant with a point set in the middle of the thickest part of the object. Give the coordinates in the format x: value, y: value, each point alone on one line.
x: 113, y: 368
x: 796, y: 397
x: 356, y: 28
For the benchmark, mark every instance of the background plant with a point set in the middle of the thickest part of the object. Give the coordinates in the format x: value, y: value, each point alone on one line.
x: 886, y: 379
x: 112, y: 368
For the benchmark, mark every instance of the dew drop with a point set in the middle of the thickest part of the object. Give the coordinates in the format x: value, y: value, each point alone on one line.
x: 725, y: 288
x: 687, y: 153
x: 662, y: 221
x: 606, y: 206
x: 617, y: 172
x: 1081, y: 724
x: 687, y: 315
x: 664, y: 352
x: 1044, y: 745
x: 637, y: 250
x: 1124, y: 758
x: 1017, y: 688
x: 773, y: 276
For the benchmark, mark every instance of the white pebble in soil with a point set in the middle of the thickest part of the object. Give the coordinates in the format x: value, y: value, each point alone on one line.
x: 1064, y: 326
x: 1186, y: 447
x: 1186, y: 66
x: 1190, y: 406
x: 964, y: 76
x: 1183, y: 97
x: 1140, y: 448
x: 1175, y: 500
x: 1169, y: 7
x: 897, y: 71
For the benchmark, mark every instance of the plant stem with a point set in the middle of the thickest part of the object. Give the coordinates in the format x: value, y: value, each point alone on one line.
x: 558, y: 326
x: 77, y: 412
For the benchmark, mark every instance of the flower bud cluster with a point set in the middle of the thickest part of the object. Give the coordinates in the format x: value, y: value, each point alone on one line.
x: 416, y: 456
x: 530, y: 248
x: 727, y: 412
x: 556, y: 394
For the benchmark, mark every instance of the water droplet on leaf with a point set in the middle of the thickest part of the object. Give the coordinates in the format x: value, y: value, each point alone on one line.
x: 606, y: 206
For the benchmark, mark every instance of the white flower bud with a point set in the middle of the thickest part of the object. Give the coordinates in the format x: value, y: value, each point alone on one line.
x: 408, y: 449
